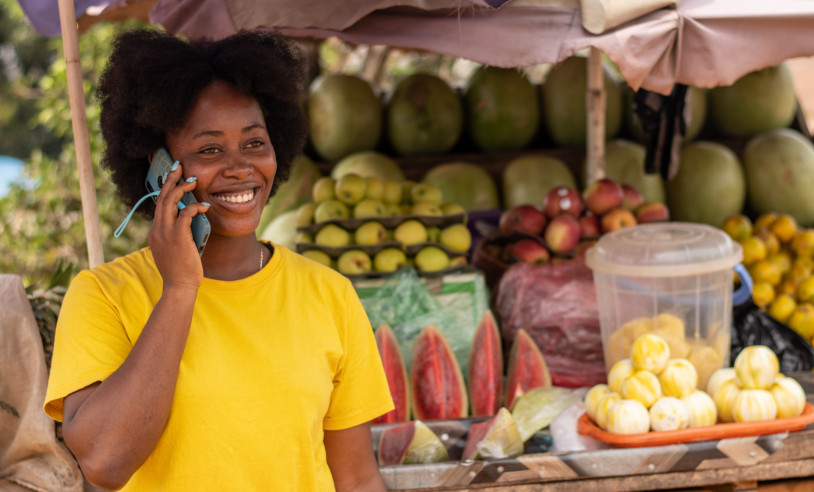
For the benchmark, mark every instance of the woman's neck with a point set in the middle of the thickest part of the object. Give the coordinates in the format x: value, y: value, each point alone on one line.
x: 233, y: 258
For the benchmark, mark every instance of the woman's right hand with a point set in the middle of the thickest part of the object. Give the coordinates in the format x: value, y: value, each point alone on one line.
x: 170, y: 237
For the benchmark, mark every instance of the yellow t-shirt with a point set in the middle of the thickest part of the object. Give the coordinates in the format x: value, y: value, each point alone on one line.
x: 271, y: 361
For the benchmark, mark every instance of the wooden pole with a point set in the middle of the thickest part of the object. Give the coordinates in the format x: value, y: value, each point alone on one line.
x: 79, y: 120
x: 595, y: 103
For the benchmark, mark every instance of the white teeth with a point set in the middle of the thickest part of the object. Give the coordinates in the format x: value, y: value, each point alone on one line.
x: 237, y: 197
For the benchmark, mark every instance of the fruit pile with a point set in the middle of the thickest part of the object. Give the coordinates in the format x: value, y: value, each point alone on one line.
x: 779, y: 256
x: 365, y: 225
x: 652, y: 391
x: 568, y: 223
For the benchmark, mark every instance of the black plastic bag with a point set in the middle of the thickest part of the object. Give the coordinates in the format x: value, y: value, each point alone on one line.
x: 751, y: 326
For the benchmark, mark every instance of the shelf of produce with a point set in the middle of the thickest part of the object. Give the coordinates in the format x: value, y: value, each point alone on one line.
x: 743, y: 460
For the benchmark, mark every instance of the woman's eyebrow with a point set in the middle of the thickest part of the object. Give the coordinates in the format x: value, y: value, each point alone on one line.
x: 206, y: 133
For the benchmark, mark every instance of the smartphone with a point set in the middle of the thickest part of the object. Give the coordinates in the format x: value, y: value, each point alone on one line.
x: 160, y: 164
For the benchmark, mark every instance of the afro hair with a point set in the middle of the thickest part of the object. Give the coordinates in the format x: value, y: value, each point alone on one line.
x: 152, y: 81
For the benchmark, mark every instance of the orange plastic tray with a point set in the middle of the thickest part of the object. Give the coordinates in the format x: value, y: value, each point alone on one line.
x: 696, y: 434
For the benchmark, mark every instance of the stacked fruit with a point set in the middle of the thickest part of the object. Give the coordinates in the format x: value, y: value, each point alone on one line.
x: 650, y: 391
x: 360, y: 225
x: 568, y: 223
x: 779, y: 256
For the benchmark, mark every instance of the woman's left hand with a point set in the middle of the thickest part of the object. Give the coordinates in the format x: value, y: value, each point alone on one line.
x: 351, y: 460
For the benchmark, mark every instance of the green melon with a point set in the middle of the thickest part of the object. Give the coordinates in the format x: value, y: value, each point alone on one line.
x: 624, y: 163
x: 294, y: 192
x: 424, y: 116
x: 368, y: 164
x: 282, y: 230
x: 709, y: 185
x: 527, y: 179
x: 757, y: 102
x: 564, y: 107
x: 466, y: 184
x: 345, y: 115
x: 502, y: 109
x: 780, y: 174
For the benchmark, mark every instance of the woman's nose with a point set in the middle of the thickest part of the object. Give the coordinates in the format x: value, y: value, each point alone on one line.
x: 237, y: 165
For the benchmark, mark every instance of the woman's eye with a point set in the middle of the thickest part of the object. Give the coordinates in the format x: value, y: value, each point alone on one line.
x: 255, y: 143
x: 210, y: 150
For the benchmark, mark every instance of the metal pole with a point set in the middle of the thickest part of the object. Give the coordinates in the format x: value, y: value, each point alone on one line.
x: 79, y: 120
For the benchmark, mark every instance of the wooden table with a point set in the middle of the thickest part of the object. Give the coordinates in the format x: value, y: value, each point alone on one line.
x: 744, y: 463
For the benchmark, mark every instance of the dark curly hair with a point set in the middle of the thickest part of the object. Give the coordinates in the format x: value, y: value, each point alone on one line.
x: 152, y: 81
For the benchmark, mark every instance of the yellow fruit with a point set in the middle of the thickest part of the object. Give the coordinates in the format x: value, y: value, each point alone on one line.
x: 602, y: 408
x: 766, y: 271
x: 724, y: 398
x: 650, y: 352
x: 628, y: 417
x: 737, y: 226
x: 762, y: 293
x: 718, y: 378
x: 754, y: 250
x: 592, y: 399
x: 803, y: 243
x: 643, y: 386
x: 669, y: 413
x: 782, y: 307
x: 784, y: 227
x: 701, y: 409
x: 781, y: 259
x: 618, y: 373
x: 785, y: 288
x: 756, y: 367
x: 806, y: 263
x: 671, y: 329
x: 679, y: 378
x: 789, y: 397
x: 706, y: 360
x: 805, y: 290
x: 753, y: 405
x: 765, y: 220
x: 769, y: 240
x: 616, y: 348
x: 802, y: 320
x: 635, y: 328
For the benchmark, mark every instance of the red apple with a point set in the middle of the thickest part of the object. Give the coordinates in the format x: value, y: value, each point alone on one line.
x: 602, y: 196
x: 631, y: 197
x: 617, y: 218
x: 562, y: 199
x: 589, y: 225
x: 528, y: 251
x: 522, y: 218
x: 652, y: 212
x: 583, y: 246
x: 562, y: 234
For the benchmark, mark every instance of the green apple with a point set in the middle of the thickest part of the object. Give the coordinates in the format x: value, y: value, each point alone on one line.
x: 323, y: 189
x: 318, y: 256
x: 369, y: 208
x: 457, y: 261
x: 392, y: 191
x: 375, y: 188
x: 370, y: 233
x: 392, y: 209
x: 410, y: 232
x: 426, y: 208
x: 332, y: 235
x: 305, y: 214
x: 354, y: 262
x: 304, y: 237
x: 350, y: 188
x: 330, y: 210
x: 434, y: 234
x: 431, y: 259
x: 389, y: 260
x: 406, y: 190
x: 456, y: 237
x: 425, y: 192
x: 406, y: 209
x: 451, y: 208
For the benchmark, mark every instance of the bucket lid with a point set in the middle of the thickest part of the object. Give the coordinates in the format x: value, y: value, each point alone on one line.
x: 666, y: 249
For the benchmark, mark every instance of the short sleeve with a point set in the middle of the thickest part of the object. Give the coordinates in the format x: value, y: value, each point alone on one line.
x: 360, y: 391
x: 89, y: 345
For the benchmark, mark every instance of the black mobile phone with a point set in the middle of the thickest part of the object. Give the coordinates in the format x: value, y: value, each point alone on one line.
x: 160, y: 164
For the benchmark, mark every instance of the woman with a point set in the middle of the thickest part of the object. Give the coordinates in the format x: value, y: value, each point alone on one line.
x: 248, y: 367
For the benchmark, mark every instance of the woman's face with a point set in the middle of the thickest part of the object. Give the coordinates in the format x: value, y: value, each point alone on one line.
x: 225, y: 144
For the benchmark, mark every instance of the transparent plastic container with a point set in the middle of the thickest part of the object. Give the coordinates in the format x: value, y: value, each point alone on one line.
x: 673, y: 279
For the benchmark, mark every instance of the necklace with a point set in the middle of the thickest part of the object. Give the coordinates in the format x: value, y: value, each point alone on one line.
x: 261, y: 256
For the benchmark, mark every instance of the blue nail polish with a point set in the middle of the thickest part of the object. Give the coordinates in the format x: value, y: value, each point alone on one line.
x: 164, y: 177
x: 181, y: 206
x: 193, y: 178
x: 206, y: 204
x: 174, y: 166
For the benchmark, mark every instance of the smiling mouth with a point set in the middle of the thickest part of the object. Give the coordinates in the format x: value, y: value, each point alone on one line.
x: 239, y: 197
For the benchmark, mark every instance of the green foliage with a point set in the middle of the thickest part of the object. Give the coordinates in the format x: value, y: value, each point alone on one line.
x: 46, y: 302
x: 41, y: 224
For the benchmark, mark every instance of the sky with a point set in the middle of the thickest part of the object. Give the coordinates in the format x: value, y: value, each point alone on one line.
x: 11, y: 170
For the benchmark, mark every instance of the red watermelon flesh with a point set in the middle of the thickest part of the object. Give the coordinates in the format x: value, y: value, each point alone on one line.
x: 436, y: 380
x: 394, y: 443
x: 396, y: 376
x: 485, y: 375
x: 527, y: 368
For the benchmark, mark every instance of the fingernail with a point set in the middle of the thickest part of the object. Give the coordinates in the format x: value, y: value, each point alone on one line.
x: 174, y: 166
x: 205, y: 204
x: 193, y: 178
x: 181, y: 206
x: 164, y: 176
